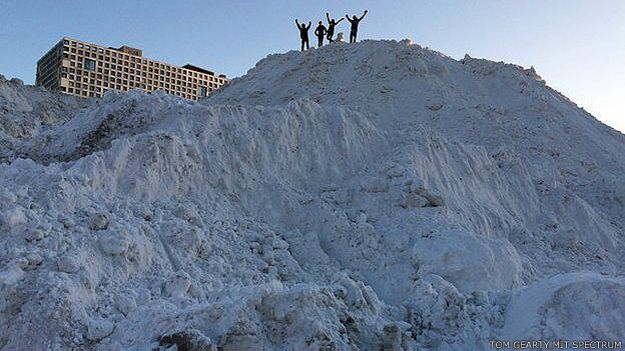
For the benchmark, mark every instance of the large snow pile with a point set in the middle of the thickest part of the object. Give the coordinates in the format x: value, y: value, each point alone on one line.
x: 370, y: 196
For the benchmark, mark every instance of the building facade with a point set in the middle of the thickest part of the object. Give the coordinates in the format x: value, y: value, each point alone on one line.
x: 88, y: 70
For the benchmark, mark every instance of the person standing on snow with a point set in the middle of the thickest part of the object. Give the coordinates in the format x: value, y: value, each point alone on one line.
x: 320, y: 32
x: 354, y: 30
x: 303, y: 33
x: 331, y: 24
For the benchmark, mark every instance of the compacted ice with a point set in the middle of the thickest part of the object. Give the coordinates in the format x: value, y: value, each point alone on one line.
x: 370, y: 196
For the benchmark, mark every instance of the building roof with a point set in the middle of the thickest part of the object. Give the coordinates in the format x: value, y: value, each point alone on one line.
x: 129, y: 50
x: 198, y: 69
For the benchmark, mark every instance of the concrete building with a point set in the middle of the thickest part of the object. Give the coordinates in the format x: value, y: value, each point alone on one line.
x: 88, y: 70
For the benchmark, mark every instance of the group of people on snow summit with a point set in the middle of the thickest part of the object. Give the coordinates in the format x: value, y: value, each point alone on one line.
x: 322, y: 32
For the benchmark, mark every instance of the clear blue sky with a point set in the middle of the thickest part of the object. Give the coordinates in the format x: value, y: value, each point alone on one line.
x: 578, y: 46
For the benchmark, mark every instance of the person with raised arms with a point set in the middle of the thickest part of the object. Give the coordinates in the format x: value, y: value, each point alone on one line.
x: 331, y: 25
x: 303, y: 33
x: 354, y: 30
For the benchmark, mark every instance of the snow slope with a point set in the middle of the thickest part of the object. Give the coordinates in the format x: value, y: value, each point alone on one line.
x: 369, y: 196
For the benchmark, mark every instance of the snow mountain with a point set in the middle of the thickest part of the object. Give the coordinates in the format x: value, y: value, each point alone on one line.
x: 377, y: 195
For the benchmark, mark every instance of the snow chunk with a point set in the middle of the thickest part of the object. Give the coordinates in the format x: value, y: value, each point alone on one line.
x: 100, y: 221
x: 98, y: 329
x: 557, y: 308
x: 178, y: 284
x: 68, y: 264
x: 114, y: 242
x: 190, y: 339
x: 469, y: 262
x: 14, y: 217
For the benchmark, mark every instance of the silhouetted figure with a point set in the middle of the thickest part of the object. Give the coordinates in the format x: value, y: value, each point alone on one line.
x: 320, y: 32
x: 354, y: 30
x: 303, y: 33
x: 331, y: 24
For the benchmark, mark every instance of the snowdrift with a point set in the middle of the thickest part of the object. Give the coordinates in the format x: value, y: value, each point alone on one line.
x: 378, y: 195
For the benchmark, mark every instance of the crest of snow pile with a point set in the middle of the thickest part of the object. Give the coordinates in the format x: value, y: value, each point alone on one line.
x: 369, y: 196
x: 26, y: 111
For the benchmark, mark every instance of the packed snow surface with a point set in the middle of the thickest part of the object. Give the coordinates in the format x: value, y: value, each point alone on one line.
x: 370, y: 196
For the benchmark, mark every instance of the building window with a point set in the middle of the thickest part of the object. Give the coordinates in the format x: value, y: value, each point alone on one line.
x: 89, y: 65
x: 202, y: 91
